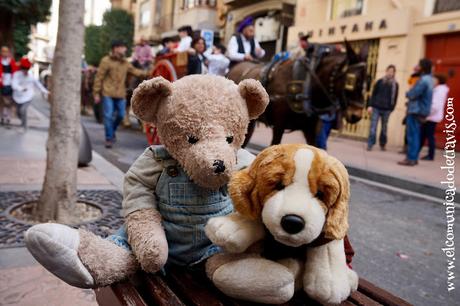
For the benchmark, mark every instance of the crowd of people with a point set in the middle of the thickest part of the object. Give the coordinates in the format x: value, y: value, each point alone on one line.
x: 425, y: 108
x: 17, y: 84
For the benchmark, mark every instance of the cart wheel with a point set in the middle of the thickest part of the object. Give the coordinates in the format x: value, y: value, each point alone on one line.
x: 152, y: 134
x: 165, y: 69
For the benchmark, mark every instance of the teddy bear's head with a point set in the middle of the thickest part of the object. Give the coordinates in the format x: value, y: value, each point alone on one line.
x: 202, y: 121
x: 298, y: 191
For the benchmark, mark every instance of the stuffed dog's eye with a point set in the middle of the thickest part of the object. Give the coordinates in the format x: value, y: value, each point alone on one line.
x: 279, y: 186
x: 229, y: 139
x: 192, y: 139
x: 320, y: 195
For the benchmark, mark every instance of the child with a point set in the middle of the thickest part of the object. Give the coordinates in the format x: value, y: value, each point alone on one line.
x: 23, y: 89
x: 217, y: 62
x: 7, y: 68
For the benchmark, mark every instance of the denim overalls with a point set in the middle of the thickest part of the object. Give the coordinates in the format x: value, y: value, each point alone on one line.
x: 185, y: 208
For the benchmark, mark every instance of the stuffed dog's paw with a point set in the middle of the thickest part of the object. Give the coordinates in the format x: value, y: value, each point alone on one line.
x: 233, y: 233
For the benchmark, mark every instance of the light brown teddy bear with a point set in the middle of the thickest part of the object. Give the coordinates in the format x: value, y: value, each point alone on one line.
x: 288, y: 231
x: 170, y: 191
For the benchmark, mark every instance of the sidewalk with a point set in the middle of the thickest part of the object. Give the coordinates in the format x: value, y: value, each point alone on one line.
x: 22, y: 167
x: 374, y: 165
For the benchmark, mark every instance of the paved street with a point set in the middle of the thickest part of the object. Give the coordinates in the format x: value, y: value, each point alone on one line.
x: 397, y: 237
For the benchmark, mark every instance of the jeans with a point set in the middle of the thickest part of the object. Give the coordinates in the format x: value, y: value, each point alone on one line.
x: 114, y: 112
x: 323, y: 135
x: 376, y: 115
x: 22, y: 113
x: 413, y: 136
x: 427, y: 132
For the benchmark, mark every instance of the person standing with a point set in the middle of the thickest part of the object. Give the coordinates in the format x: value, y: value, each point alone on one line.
x: 185, y: 43
x: 143, y: 54
x: 243, y: 46
x: 7, y: 68
x: 196, y: 59
x: 23, y: 83
x: 418, y: 108
x: 440, y: 92
x: 381, y: 104
x: 217, y: 62
x: 110, y: 88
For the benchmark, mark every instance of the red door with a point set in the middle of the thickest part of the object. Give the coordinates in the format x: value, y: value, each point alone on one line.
x: 443, y: 50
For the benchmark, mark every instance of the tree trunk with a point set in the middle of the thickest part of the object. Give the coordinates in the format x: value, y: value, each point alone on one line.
x: 58, y: 195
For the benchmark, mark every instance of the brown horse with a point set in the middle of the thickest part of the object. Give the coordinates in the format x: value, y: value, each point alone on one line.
x: 334, y: 73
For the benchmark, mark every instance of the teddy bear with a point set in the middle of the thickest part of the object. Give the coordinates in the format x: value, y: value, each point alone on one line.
x: 170, y: 191
x: 288, y: 230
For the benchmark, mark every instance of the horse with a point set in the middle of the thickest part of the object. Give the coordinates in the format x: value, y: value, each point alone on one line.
x: 338, y: 85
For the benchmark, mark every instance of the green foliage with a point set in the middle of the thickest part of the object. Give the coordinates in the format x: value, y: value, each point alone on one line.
x: 28, y: 11
x: 21, y: 39
x: 16, y: 16
x: 93, y: 45
x: 117, y: 25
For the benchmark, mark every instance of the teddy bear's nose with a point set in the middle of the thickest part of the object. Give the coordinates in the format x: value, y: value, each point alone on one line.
x: 292, y: 224
x: 219, y: 166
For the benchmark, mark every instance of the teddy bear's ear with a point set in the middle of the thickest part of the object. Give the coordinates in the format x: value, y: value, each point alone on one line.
x: 336, y: 188
x: 240, y: 190
x: 255, y: 95
x: 148, y: 96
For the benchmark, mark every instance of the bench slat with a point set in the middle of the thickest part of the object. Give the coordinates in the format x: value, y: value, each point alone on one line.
x: 159, y: 291
x: 380, y: 295
x: 124, y: 294
x: 360, y: 299
x: 191, y: 291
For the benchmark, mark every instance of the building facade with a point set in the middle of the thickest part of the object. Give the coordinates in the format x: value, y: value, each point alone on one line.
x: 398, y: 32
x: 155, y: 19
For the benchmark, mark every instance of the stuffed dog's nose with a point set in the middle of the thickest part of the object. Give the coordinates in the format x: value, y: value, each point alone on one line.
x: 219, y: 166
x: 292, y: 224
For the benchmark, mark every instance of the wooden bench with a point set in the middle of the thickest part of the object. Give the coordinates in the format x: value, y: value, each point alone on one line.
x: 180, y: 287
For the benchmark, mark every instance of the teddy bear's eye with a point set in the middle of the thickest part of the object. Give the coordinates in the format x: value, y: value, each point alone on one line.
x: 320, y: 195
x: 229, y: 139
x: 192, y: 139
x: 279, y: 186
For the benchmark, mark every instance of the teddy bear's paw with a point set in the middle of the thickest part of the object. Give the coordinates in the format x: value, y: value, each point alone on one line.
x: 55, y: 246
x: 256, y: 280
x: 231, y: 235
x: 327, y: 287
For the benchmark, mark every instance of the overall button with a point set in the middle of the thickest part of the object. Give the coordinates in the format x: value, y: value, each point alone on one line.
x: 172, y: 171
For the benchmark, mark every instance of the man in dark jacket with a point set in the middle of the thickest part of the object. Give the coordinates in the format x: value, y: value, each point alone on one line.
x: 381, y: 104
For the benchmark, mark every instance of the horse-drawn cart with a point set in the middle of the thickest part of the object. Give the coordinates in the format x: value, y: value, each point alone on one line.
x: 171, y: 66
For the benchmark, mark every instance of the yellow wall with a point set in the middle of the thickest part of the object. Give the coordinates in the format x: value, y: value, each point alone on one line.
x: 402, y: 43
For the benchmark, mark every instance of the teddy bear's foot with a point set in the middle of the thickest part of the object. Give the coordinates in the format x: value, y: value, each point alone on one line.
x: 78, y: 257
x: 256, y: 280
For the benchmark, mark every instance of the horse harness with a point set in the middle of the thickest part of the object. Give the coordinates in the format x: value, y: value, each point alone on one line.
x: 296, y: 88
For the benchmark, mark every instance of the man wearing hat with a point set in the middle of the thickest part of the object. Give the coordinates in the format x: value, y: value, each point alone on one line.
x: 109, y: 87
x: 243, y: 46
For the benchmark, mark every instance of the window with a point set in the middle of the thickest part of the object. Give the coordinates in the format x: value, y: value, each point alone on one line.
x: 442, y: 6
x: 158, y: 11
x: 346, y: 8
x: 144, y: 16
x: 188, y: 4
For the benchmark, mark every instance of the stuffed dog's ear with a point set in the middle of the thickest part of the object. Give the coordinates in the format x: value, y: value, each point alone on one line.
x: 240, y: 189
x: 335, y: 185
x: 255, y: 95
x: 148, y: 96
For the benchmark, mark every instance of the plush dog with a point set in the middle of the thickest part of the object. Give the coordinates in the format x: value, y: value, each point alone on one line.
x: 170, y: 191
x: 288, y: 231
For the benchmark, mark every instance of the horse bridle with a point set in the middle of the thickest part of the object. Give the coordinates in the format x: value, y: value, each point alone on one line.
x: 350, y: 84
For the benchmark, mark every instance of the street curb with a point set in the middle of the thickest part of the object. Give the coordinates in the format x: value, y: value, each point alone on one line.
x: 382, y: 178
